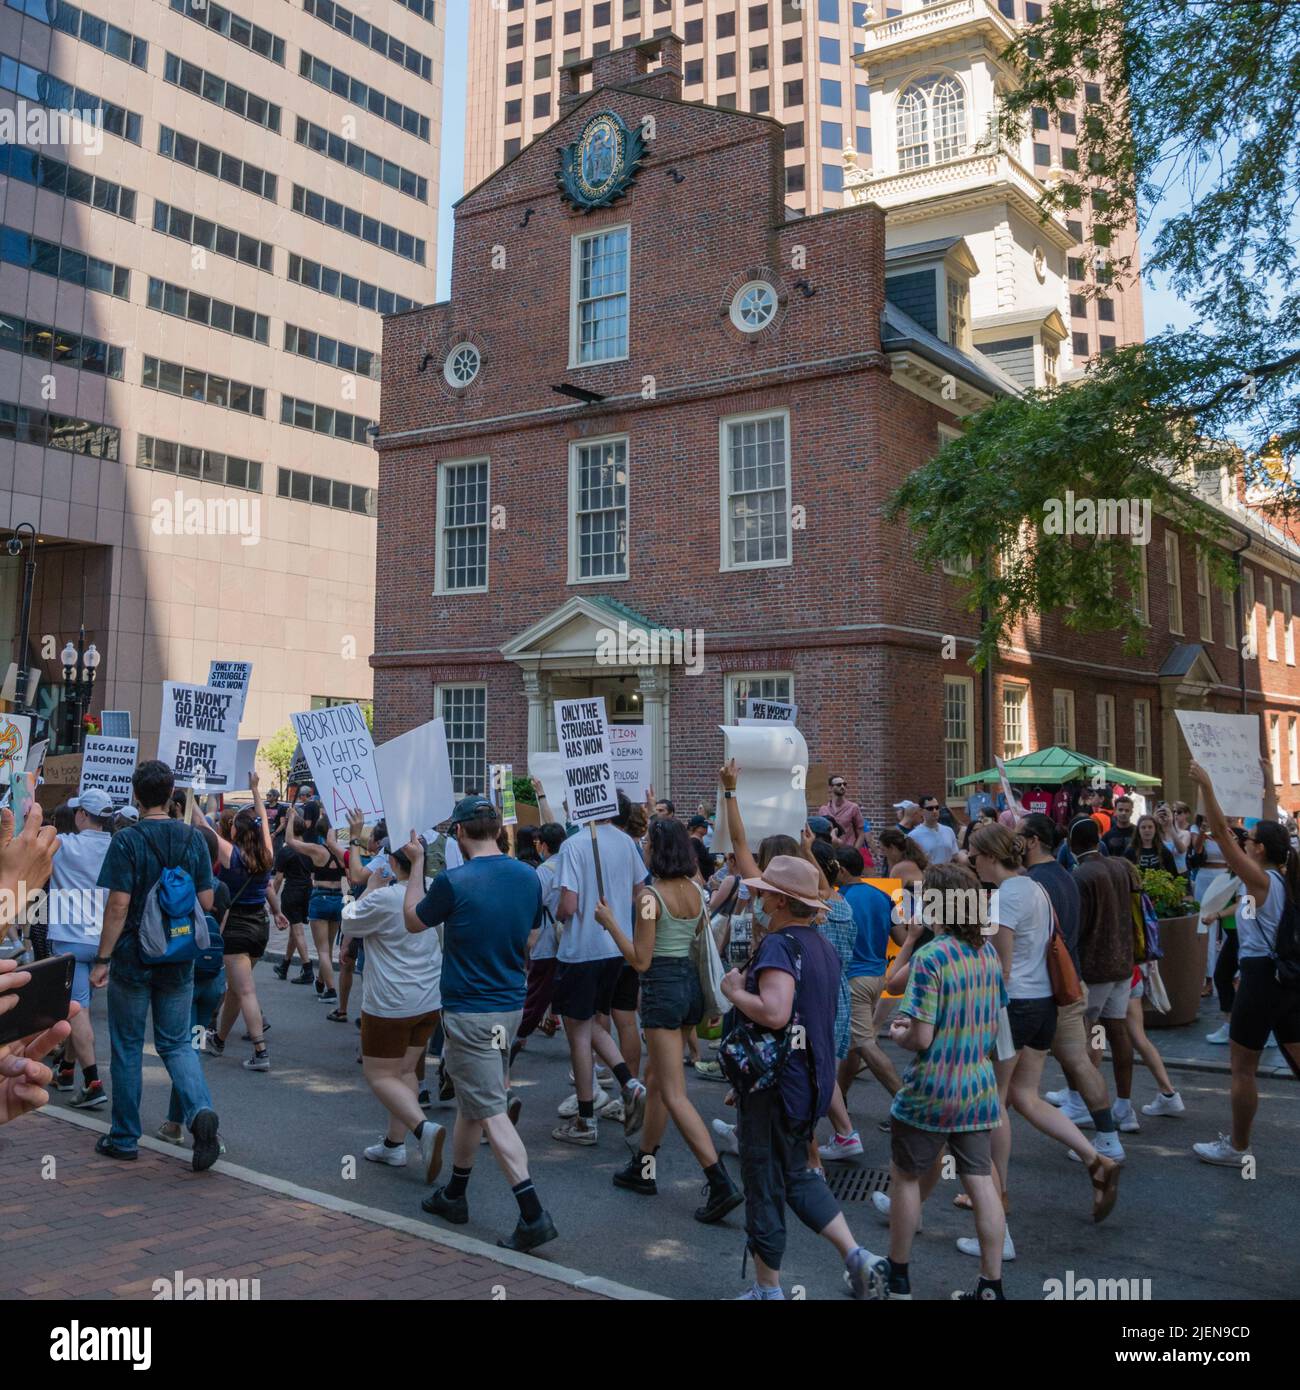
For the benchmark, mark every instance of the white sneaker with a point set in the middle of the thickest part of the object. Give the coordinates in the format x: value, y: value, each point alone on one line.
x: 570, y: 1132
x: 604, y: 1077
x: 1221, y: 1152
x: 1165, y: 1105
x: 1220, y: 1036
x: 1107, y: 1144
x: 568, y: 1108
x: 1125, y: 1120
x: 841, y: 1146
x: 1056, y: 1098
x: 381, y: 1153
x: 1078, y: 1113
x: 724, y: 1137
x: 968, y: 1245
x: 883, y: 1205
x: 432, y: 1138
x: 614, y: 1111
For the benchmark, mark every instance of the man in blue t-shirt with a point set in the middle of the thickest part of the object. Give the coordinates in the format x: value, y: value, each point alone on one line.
x: 873, y: 915
x: 485, y: 910
x: 134, y: 863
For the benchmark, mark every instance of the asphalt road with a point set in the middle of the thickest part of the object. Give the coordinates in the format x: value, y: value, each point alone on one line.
x: 1195, y: 1231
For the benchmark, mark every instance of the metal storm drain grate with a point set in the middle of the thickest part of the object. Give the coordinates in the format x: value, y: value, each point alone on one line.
x: 852, y: 1184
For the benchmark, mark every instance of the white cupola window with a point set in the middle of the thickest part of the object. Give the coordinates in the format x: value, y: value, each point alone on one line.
x: 931, y: 121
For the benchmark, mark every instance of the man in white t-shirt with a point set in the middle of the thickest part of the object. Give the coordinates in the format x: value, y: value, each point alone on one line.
x: 938, y: 841
x: 589, y: 966
x: 76, y: 916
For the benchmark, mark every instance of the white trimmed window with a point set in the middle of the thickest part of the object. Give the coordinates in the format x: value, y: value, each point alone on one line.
x: 1142, y: 736
x: 754, y: 306
x: 755, y: 463
x: 958, y: 733
x: 1063, y: 717
x: 1142, y: 596
x: 598, y: 510
x: 600, y: 281
x: 1270, y: 628
x: 462, y: 559
x: 1275, y: 745
x: 1015, y: 719
x: 1106, y: 728
x: 756, y: 685
x: 959, y: 567
x: 1292, y: 751
x: 464, y: 712
x: 1174, y: 578
x: 1203, y: 610
x: 1288, y: 631
x: 1229, y: 600
x: 931, y: 121
x: 1248, y: 631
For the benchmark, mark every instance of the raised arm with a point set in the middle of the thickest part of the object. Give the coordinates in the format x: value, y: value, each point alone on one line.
x: 745, y: 864
x: 1253, y: 877
x: 805, y: 852
x: 356, y: 869
x: 544, y: 812
x: 255, y: 786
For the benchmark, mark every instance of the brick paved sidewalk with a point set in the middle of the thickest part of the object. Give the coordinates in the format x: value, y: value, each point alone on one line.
x: 99, y: 1228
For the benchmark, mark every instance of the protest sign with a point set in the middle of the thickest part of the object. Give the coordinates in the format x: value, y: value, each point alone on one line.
x: 583, y: 737
x: 548, y: 768
x: 199, y: 736
x: 1227, y: 747
x: 107, y: 765
x: 15, y: 736
x: 502, y: 783
x: 629, y: 755
x: 1012, y: 801
x: 115, y: 723
x: 245, y: 763
x: 299, y: 772
x: 231, y: 675
x: 770, y: 711
x: 773, y: 762
x: 415, y: 780
x: 341, y: 754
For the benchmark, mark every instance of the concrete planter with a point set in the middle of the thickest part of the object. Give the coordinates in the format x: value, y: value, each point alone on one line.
x: 1182, y: 968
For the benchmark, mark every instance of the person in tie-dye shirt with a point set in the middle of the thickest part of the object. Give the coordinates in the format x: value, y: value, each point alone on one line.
x: 949, y: 1096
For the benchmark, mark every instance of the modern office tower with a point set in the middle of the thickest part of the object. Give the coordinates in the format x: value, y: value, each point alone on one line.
x: 193, y: 275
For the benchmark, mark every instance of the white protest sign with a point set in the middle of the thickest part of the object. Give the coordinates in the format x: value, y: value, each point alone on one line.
x: 245, y: 763
x: 765, y: 711
x: 773, y: 763
x: 341, y: 755
x: 1227, y: 747
x: 115, y: 723
x: 1012, y: 801
x: 199, y: 737
x: 107, y: 765
x: 415, y: 778
x: 583, y: 736
x: 15, y: 737
x: 231, y: 675
x: 629, y: 755
x: 548, y: 768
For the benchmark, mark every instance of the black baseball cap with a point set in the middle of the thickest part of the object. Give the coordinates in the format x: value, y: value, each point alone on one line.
x: 471, y: 808
x: 697, y: 823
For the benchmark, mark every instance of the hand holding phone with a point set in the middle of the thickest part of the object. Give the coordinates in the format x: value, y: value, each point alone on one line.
x: 33, y: 998
x: 23, y: 1076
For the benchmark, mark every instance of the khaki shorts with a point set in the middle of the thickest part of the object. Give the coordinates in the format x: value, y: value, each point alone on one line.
x: 475, y: 1055
x: 915, y: 1150
x: 864, y: 995
x: 1109, y: 1000
x: 391, y: 1037
x: 1071, y: 1028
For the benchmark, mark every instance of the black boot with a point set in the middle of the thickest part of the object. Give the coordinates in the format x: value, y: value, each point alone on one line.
x: 633, y: 1177
x: 721, y: 1195
x: 305, y: 976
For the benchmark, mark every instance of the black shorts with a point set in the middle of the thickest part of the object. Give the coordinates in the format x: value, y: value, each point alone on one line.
x: 293, y: 902
x: 1033, y: 1023
x: 1263, y: 1006
x: 671, y: 996
x: 247, y: 930
x: 584, y: 988
x: 627, y: 990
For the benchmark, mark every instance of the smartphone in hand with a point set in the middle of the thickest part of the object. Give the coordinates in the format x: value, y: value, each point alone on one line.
x: 42, y: 1002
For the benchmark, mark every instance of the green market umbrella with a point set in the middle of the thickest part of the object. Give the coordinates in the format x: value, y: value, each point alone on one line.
x: 1050, y: 767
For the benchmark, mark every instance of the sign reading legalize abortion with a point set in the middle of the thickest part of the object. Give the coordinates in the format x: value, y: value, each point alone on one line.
x: 231, y: 675
x: 199, y: 737
x: 583, y: 736
x: 341, y: 755
x: 107, y: 765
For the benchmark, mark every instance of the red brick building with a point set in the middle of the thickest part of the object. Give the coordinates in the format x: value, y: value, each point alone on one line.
x: 739, y: 397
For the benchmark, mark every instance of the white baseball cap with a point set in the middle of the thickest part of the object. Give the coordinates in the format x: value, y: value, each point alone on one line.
x: 93, y: 802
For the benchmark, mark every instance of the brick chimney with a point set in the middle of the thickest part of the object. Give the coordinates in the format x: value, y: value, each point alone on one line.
x: 627, y: 67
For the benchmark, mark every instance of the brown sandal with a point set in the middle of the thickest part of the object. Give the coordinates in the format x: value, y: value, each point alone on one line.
x: 1105, y: 1186
x: 962, y: 1201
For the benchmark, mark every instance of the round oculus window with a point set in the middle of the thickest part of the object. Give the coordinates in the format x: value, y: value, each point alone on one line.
x: 754, y: 306
x: 462, y: 365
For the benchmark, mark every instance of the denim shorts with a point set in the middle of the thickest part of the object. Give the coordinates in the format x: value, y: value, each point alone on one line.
x: 325, y: 905
x: 671, y: 996
x: 1033, y: 1022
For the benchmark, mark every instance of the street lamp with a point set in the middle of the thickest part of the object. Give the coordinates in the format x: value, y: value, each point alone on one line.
x: 14, y: 545
x: 80, y: 667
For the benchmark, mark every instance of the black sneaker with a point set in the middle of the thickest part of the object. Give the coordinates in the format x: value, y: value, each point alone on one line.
x: 329, y: 996
x: 207, y: 1147
x: 102, y: 1146
x: 446, y: 1090
x: 280, y: 971
x: 453, y: 1209
x: 719, y: 1199
x: 983, y: 1293
x: 425, y: 1100
x: 306, y: 976
x: 320, y: 987
x: 632, y: 1178
x: 528, y: 1235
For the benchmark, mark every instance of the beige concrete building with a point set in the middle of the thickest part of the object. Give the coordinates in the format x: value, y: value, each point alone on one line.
x: 817, y: 66
x: 190, y: 324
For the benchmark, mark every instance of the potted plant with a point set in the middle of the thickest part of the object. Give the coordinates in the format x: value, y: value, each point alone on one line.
x: 1182, y: 946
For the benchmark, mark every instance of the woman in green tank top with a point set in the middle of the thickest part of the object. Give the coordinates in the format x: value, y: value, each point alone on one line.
x: 669, y: 912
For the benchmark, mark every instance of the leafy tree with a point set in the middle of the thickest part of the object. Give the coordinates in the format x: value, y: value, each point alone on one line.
x: 277, y: 752
x: 1198, y: 107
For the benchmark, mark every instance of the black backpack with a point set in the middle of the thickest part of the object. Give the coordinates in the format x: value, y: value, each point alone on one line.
x: 1286, y: 943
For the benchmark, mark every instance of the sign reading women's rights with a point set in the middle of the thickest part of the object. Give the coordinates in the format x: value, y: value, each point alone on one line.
x: 341, y: 755
x: 231, y: 675
x: 1227, y: 747
x: 107, y: 765
x: 199, y: 737
x: 584, y: 745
